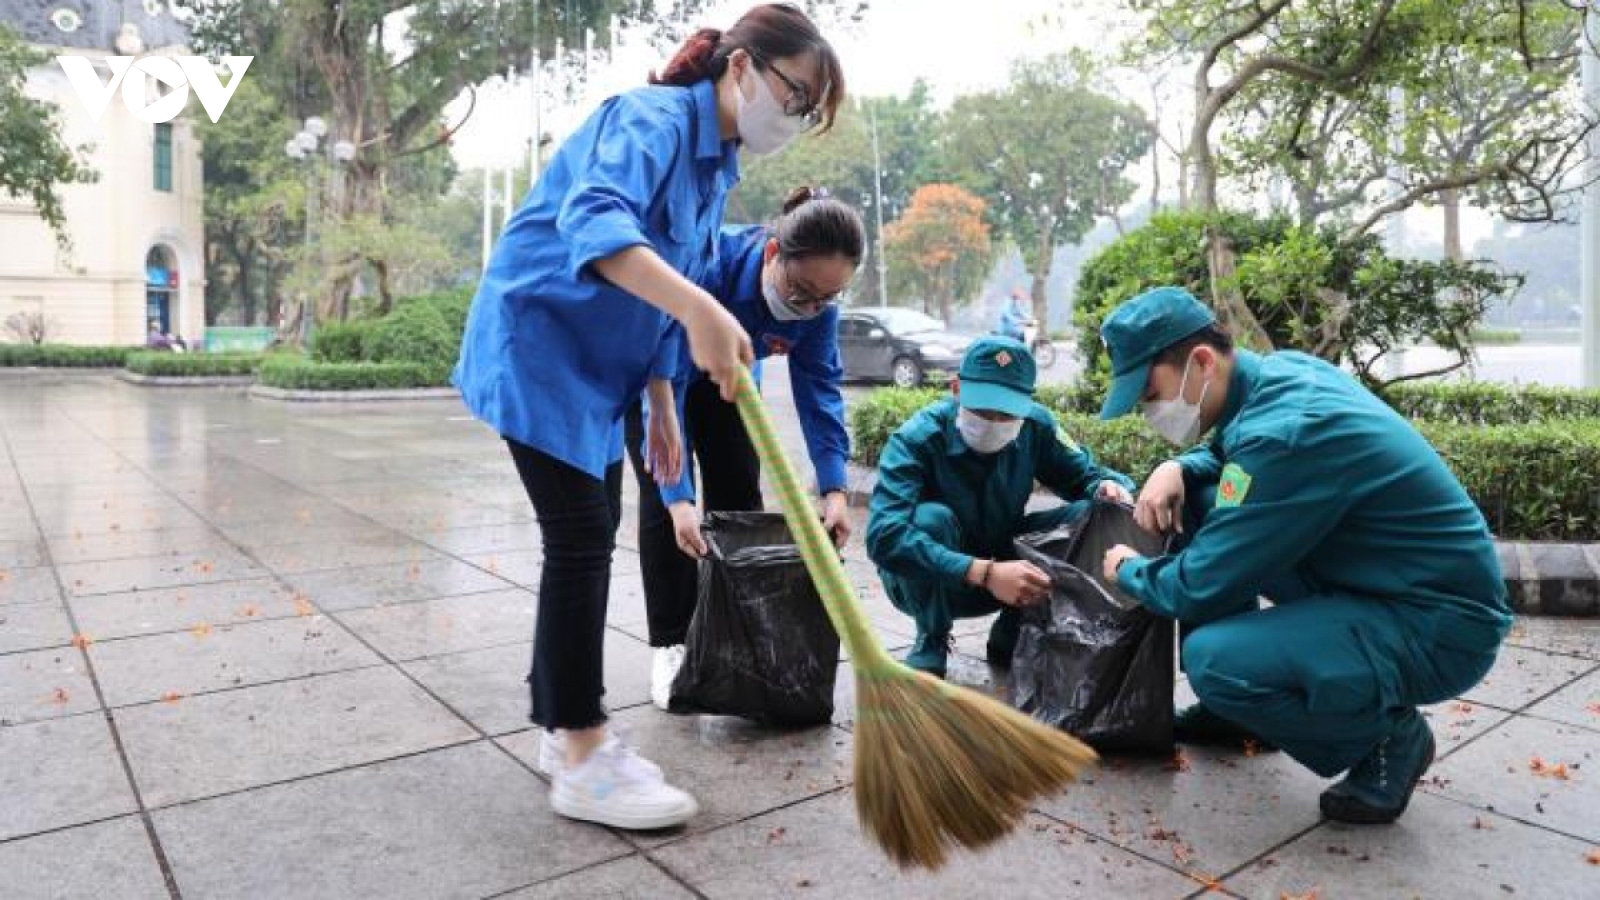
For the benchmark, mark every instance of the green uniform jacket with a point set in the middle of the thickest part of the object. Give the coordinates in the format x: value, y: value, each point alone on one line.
x: 927, y: 462
x: 1322, y: 486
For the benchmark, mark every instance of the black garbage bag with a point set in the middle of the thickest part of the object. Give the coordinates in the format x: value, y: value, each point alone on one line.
x: 1092, y: 661
x: 760, y: 644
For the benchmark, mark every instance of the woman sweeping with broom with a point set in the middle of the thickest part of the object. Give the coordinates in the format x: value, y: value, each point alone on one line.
x: 574, y: 315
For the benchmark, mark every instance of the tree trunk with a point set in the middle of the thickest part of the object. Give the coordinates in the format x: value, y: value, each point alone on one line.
x: 1450, y: 201
x: 1044, y: 257
x: 1232, y: 312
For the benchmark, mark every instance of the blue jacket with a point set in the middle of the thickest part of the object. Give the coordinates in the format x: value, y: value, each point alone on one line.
x: 552, y: 353
x: 812, y: 346
x: 1321, y: 486
x: 927, y: 461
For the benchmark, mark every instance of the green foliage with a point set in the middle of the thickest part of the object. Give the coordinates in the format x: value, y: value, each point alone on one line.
x: 63, y: 356
x: 1478, y: 403
x: 1495, y: 336
x: 1049, y: 153
x: 1313, y: 290
x: 424, y: 331
x: 339, y: 342
x: 877, y: 416
x: 1533, y: 481
x: 193, y: 365
x: 292, y: 372
x: 33, y: 159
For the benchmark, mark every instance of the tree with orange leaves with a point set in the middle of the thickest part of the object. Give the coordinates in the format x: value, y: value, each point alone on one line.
x: 940, y: 248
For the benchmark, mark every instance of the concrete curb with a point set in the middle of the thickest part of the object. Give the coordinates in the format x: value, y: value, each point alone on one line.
x: 285, y: 395
x: 186, y: 380
x: 1543, y: 578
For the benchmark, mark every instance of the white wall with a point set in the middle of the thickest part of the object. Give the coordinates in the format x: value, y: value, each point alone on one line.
x: 96, y: 294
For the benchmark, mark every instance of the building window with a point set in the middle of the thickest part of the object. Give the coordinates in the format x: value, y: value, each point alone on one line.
x: 163, y: 157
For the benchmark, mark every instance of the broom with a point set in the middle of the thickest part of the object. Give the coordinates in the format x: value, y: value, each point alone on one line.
x: 936, y: 766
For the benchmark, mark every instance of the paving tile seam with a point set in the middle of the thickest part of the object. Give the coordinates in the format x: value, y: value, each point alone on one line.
x: 322, y: 773
x: 397, y: 604
x: 168, y: 632
x: 1194, y: 875
x: 1445, y: 794
x: 273, y: 682
x: 564, y: 874
x: 1564, y: 654
x: 1560, y: 686
x: 58, y: 829
x: 633, y: 839
x: 157, y: 850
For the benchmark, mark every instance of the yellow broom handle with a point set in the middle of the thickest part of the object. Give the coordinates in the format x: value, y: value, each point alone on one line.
x: 821, y: 558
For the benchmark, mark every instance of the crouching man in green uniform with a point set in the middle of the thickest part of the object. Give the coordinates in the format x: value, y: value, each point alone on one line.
x: 1386, y: 592
x: 953, y: 484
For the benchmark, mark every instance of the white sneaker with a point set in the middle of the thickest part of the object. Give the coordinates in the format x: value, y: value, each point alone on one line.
x: 553, y: 752
x: 664, y: 668
x: 615, y: 787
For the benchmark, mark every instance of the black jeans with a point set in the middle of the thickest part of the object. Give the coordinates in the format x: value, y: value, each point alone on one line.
x: 578, y: 517
x: 730, y: 481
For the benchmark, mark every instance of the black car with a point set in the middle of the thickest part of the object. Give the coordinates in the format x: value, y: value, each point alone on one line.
x: 903, y: 346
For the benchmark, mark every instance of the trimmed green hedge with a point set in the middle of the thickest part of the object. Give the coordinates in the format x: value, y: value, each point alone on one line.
x: 193, y: 365
x: 1477, y: 403
x: 339, y: 342
x: 297, y: 373
x: 64, y: 356
x: 1537, y: 481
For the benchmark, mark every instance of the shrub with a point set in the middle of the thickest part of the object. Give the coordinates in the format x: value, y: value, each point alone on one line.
x: 1311, y: 289
x: 418, y: 334
x: 64, y: 356
x: 1538, y: 481
x: 193, y: 365
x: 296, y: 373
x: 1478, y: 403
x: 339, y: 342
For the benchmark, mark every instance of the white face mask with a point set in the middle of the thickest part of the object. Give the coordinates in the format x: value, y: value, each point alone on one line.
x: 1177, y: 419
x: 781, y: 308
x: 983, y: 435
x: 763, y: 126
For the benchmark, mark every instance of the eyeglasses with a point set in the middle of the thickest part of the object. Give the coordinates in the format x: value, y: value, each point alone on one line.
x: 800, y: 297
x: 799, y: 103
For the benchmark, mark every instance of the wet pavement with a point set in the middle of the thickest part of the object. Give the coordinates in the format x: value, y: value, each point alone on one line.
x: 255, y: 649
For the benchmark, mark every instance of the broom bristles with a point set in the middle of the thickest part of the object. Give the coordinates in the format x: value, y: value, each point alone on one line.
x: 939, y: 767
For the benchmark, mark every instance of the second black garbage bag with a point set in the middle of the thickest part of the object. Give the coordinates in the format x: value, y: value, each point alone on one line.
x: 1092, y: 661
x: 760, y: 644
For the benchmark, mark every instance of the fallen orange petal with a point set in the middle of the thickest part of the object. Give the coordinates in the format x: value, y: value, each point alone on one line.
x: 248, y: 612
x: 1312, y: 894
x: 171, y: 697
x: 201, y: 630
x: 1593, y: 858
x: 60, y: 697
x: 81, y: 641
x: 302, y: 605
x: 1179, y: 763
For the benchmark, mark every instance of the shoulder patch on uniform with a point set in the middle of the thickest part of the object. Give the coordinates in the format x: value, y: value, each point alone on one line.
x: 1233, y: 486
x: 1066, y: 439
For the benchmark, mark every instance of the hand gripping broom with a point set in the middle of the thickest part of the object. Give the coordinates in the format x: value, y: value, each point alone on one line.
x: 936, y: 765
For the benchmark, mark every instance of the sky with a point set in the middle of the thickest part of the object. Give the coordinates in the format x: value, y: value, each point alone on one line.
x: 941, y: 41
x: 949, y: 43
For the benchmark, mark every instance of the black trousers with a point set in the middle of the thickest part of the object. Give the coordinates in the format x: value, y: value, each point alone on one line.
x: 578, y: 517
x: 730, y: 481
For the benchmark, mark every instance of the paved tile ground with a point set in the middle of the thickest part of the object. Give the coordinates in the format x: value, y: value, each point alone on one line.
x: 257, y: 650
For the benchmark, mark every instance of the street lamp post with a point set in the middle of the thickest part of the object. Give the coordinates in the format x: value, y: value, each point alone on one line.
x: 877, y: 207
x: 1589, y: 275
x: 308, y: 147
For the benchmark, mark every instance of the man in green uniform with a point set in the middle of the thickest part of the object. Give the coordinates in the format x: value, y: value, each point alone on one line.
x: 953, y: 484
x: 1386, y: 592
